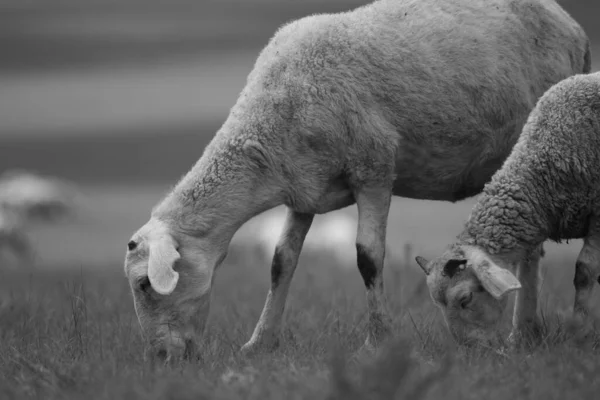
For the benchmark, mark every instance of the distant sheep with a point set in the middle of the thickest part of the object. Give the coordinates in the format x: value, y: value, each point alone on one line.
x: 413, y: 98
x: 549, y: 188
x: 26, y: 199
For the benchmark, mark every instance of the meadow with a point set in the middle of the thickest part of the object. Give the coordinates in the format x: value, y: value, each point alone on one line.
x: 73, y: 334
x: 121, y: 99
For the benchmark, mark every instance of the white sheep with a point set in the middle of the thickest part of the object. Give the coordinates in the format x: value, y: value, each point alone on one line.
x: 548, y: 188
x: 413, y: 98
x: 26, y: 199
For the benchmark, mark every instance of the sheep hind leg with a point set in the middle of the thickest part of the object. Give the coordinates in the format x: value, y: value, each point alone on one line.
x: 527, y: 329
x: 265, y: 337
x: 373, y: 209
x: 587, y: 272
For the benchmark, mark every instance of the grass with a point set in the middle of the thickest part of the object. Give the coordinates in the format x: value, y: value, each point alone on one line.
x: 73, y: 334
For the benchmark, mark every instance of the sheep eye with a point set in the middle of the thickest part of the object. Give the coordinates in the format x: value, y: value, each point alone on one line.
x: 464, y: 302
x: 131, y: 245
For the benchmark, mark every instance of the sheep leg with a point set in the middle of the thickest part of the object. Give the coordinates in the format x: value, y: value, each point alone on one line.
x: 526, y: 325
x: 373, y: 209
x: 287, y: 251
x: 587, y: 272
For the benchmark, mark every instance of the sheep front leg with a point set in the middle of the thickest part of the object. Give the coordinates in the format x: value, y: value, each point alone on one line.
x: 526, y: 325
x: 287, y: 251
x: 373, y: 209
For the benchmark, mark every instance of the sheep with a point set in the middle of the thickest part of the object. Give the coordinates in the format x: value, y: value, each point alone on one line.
x: 331, y: 236
x: 415, y: 98
x: 27, y: 198
x: 548, y: 188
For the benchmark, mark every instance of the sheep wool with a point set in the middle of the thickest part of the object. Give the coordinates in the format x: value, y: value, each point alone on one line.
x: 549, y: 185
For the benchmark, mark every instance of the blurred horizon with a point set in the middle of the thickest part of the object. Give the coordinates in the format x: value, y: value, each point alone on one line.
x: 85, y: 80
x: 122, y: 96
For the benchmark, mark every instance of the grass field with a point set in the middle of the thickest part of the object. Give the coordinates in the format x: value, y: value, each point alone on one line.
x: 73, y: 334
x: 68, y: 328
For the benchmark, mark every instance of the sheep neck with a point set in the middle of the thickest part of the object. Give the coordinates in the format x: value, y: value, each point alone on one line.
x: 506, y: 217
x: 222, y: 191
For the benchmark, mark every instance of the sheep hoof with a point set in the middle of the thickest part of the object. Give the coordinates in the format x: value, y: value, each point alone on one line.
x: 525, y: 338
x: 379, y: 331
x: 367, y: 349
x: 373, y: 347
x: 253, y: 348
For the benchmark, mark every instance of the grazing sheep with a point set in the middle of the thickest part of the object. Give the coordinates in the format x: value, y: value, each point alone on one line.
x: 413, y: 98
x: 548, y: 188
x: 26, y: 198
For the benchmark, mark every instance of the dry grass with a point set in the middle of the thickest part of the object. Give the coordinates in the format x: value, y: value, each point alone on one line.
x: 73, y: 335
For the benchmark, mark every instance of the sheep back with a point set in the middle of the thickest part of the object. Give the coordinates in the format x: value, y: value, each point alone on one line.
x: 456, y: 78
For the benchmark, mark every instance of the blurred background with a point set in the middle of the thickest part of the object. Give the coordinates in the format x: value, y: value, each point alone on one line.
x: 121, y: 96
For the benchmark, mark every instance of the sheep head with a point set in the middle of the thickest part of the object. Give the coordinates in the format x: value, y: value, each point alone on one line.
x: 470, y: 289
x: 170, y: 273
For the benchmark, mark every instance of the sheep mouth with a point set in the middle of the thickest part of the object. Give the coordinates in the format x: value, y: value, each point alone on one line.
x: 168, y: 355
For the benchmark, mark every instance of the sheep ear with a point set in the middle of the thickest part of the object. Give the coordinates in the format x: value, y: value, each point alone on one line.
x: 495, y: 279
x: 423, y: 264
x: 162, y: 258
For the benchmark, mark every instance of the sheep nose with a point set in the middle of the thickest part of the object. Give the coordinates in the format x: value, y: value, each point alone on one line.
x: 165, y: 356
x: 161, y: 354
x: 172, y: 351
x: 157, y: 355
x: 191, y: 352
